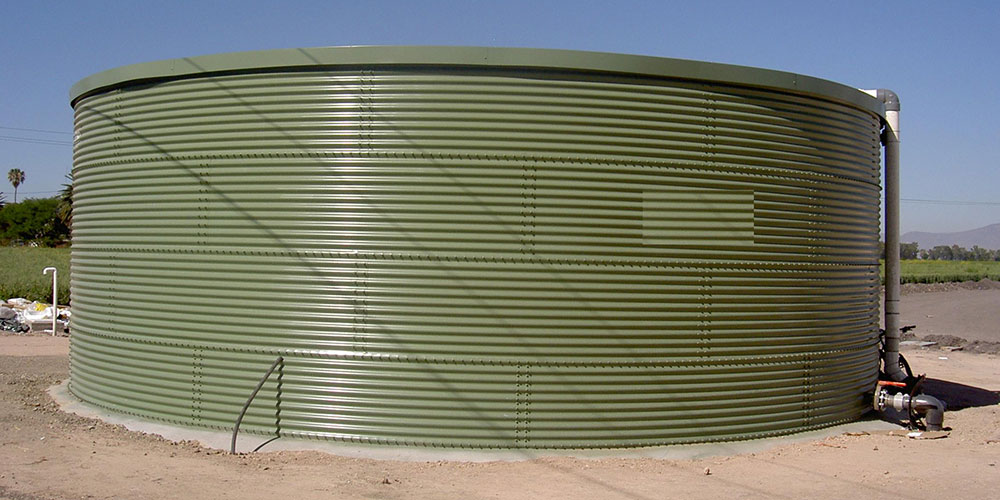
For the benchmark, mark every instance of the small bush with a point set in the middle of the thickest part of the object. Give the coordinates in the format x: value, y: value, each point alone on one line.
x: 33, y: 221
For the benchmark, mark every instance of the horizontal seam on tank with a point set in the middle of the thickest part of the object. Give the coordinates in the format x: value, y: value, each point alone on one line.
x: 769, y: 360
x: 767, y: 172
x: 696, y: 267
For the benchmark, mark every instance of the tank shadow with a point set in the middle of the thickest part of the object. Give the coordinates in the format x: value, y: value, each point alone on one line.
x: 959, y: 396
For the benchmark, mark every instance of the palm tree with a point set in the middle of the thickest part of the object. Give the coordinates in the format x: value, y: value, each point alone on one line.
x: 16, y: 177
x: 65, y: 209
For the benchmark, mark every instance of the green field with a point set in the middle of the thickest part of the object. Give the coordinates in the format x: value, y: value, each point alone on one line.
x: 943, y: 271
x: 21, y: 273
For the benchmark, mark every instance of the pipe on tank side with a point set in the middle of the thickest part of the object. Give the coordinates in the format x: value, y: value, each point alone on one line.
x: 890, y: 139
x: 930, y: 407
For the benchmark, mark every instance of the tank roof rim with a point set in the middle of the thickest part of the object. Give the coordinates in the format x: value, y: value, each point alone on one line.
x: 486, y: 57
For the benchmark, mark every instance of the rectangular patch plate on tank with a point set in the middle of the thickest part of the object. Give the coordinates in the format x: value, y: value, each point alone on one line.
x: 718, y: 217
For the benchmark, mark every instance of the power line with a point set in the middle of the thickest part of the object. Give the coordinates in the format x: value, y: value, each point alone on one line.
x: 951, y: 202
x: 29, y: 140
x: 39, y: 192
x: 39, y: 130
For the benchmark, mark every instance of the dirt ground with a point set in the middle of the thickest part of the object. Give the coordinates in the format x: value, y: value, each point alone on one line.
x: 48, y: 454
x: 964, y: 315
x: 978, y: 318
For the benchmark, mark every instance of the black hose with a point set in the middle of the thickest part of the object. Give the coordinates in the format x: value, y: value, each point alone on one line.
x: 239, y: 420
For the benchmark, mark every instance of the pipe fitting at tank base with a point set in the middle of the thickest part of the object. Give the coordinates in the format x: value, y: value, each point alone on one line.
x: 930, y: 408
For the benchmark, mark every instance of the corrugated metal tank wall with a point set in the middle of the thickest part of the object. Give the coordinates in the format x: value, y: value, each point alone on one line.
x: 475, y: 257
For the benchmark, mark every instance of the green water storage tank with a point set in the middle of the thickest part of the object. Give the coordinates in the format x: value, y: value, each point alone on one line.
x: 475, y: 247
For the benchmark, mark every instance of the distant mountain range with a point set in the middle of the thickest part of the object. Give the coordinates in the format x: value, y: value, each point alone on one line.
x: 986, y: 237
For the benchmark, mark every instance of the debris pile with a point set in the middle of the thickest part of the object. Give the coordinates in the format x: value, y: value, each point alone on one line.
x: 20, y: 316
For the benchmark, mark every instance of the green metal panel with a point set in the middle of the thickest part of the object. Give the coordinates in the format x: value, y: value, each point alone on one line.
x: 466, y: 255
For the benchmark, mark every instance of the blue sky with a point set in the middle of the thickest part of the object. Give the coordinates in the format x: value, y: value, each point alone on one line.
x: 940, y: 57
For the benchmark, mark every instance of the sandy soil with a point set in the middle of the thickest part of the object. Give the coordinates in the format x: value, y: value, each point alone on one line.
x: 973, y: 315
x: 963, y: 315
x: 48, y: 454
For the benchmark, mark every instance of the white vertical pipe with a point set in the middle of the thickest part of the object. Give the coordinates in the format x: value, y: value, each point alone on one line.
x: 55, y: 301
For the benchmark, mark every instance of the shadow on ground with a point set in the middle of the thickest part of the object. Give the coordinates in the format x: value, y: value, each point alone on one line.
x: 959, y: 396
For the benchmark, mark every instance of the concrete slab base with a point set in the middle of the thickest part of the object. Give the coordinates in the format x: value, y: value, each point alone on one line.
x: 249, y: 442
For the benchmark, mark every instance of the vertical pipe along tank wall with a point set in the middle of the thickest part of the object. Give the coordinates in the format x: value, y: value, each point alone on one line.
x: 475, y: 247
